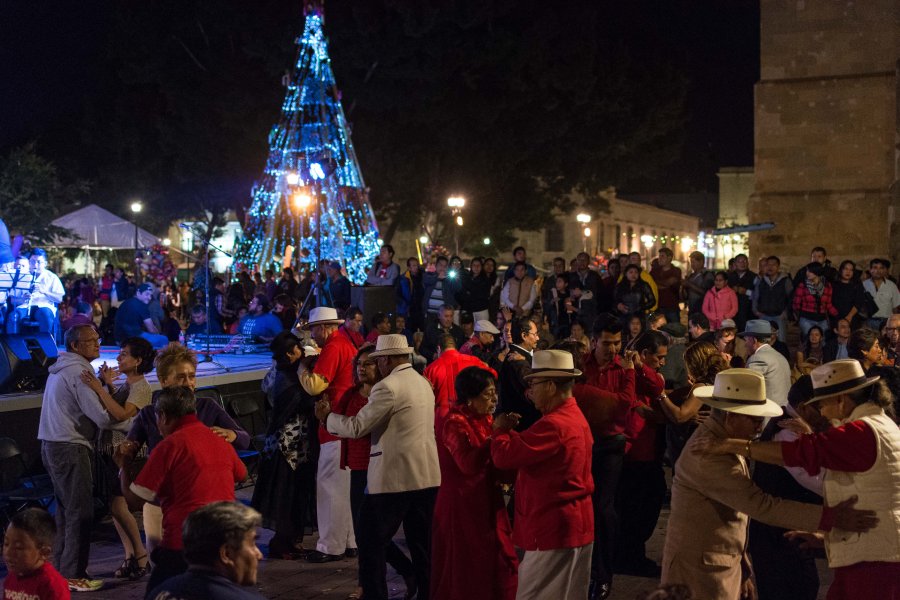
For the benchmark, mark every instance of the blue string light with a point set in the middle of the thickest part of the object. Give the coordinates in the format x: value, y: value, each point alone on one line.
x: 310, y: 152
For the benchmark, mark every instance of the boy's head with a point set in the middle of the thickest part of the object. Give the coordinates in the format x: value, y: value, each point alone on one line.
x: 28, y: 541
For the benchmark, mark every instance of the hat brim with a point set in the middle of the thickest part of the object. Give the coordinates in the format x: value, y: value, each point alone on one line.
x: 869, y: 381
x: 310, y: 351
x: 756, y: 334
x: 391, y: 352
x: 322, y: 322
x: 762, y: 409
x: 494, y: 332
x: 554, y: 374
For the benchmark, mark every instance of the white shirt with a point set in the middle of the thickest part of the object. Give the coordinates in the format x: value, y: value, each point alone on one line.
x: 48, y: 291
x: 887, y: 297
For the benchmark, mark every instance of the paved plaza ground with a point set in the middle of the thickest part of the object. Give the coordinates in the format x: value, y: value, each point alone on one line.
x: 299, y: 580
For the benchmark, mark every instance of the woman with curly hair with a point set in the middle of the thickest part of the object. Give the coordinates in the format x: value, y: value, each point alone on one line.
x: 703, y: 361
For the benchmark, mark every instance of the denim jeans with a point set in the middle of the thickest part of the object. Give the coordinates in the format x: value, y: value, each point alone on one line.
x: 156, y: 340
x: 807, y: 324
x: 69, y: 467
x: 780, y: 323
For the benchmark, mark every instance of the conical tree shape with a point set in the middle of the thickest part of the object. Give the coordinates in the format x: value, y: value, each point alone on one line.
x: 311, y: 195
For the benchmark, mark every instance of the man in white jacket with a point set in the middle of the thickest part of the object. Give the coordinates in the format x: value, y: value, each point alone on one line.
x: 403, y: 466
x: 71, y: 414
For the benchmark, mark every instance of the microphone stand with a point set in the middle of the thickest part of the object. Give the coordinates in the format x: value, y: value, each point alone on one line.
x: 208, y: 245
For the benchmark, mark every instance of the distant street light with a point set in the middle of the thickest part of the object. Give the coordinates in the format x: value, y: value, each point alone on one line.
x: 487, y: 241
x: 583, y: 218
x: 302, y: 200
x: 167, y: 242
x: 293, y: 178
x: 136, y: 208
x: 423, y: 239
x: 456, y: 204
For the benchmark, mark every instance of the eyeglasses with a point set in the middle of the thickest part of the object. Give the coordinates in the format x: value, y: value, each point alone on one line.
x: 535, y: 382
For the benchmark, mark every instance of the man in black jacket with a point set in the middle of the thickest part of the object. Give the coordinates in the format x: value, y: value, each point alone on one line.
x: 516, y: 366
x: 772, y: 295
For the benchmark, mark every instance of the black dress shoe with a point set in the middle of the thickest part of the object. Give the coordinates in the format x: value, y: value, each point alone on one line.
x: 352, y: 552
x: 320, y: 557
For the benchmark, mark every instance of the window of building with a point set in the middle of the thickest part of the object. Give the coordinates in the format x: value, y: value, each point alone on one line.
x: 555, y: 237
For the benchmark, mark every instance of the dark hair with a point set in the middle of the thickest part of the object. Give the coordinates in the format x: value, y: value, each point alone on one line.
x: 667, y: 251
x: 801, y: 391
x: 37, y: 523
x: 651, y: 341
x: 263, y: 301
x: 860, y: 342
x: 466, y: 318
x: 219, y: 524
x: 775, y: 258
x: 441, y: 259
x: 176, y: 401
x: 351, y: 313
x: 377, y: 319
x: 140, y: 348
x: 724, y: 275
x: 198, y: 310
x: 83, y: 307
x: 564, y: 278
x: 283, y: 344
x: 446, y: 342
x: 519, y: 263
x: 878, y: 394
x: 285, y: 300
x: 471, y: 382
x: 818, y: 249
x: 409, y: 259
x: 606, y: 323
x: 517, y: 248
x: 846, y: 262
x: 655, y: 316
x: 880, y: 261
x: 629, y: 267
x: 40, y: 252
x: 815, y: 268
x: 741, y: 255
x: 389, y: 248
x: 217, y: 280
x: 699, y: 319
x: 576, y: 349
x: 519, y: 326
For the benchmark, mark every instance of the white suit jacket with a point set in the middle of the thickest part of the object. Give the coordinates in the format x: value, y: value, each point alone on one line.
x: 400, y: 418
x: 768, y: 362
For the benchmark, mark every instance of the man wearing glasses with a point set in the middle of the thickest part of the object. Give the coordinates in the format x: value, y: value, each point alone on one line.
x: 515, y: 369
x: 71, y: 414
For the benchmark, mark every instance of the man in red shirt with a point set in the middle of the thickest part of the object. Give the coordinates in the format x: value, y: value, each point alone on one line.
x: 333, y: 377
x: 441, y: 374
x: 191, y: 467
x: 642, y: 486
x: 554, y: 521
x: 606, y: 370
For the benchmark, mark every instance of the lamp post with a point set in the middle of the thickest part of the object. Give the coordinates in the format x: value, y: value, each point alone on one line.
x: 136, y: 208
x: 456, y: 204
x: 583, y: 219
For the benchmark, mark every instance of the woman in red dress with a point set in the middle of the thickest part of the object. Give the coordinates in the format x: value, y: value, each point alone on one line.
x: 472, y: 555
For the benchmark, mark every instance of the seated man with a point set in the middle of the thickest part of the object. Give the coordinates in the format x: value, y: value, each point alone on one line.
x: 198, y: 322
x: 191, y: 467
x: 221, y: 552
x: 133, y: 319
x: 46, y: 292
x: 84, y: 315
x: 259, y: 324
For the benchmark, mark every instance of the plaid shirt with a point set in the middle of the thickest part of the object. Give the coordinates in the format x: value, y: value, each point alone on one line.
x: 817, y: 307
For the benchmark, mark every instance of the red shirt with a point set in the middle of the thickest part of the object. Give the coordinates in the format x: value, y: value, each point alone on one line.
x: 618, y: 380
x: 45, y: 583
x: 335, y: 364
x: 641, y: 433
x: 471, y: 344
x: 355, y: 453
x: 852, y: 448
x: 554, y: 484
x: 372, y: 338
x: 441, y: 374
x: 189, y: 468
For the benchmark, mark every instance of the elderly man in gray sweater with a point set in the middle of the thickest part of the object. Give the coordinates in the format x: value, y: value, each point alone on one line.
x: 71, y: 414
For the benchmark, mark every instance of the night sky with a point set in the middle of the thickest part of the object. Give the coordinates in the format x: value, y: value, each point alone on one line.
x: 50, y: 59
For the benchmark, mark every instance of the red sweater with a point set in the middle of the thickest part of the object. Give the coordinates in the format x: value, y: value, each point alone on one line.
x: 852, y: 448
x: 554, y: 484
x: 617, y: 380
x: 640, y: 432
x: 355, y: 452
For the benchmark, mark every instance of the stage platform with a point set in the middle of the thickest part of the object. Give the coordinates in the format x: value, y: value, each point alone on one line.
x: 234, y: 375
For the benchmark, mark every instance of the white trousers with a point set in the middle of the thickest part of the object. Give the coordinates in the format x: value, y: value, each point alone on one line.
x: 555, y: 574
x: 335, y: 520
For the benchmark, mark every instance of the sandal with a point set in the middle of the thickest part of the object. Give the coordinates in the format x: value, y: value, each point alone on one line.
x: 124, y: 572
x: 137, y: 570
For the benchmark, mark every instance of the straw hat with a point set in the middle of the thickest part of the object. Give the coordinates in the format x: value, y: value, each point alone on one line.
x: 553, y: 363
x: 838, y: 377
x: 391, y: 344
x: 322, y: 315
x: 486, y: 326
x: 741, y: 391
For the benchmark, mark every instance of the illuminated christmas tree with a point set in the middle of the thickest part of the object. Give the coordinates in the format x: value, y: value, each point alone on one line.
x: 311, y: 196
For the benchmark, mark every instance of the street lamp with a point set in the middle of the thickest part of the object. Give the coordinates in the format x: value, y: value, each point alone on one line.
x: 136, y: 208
x: 293, y: 178
x: 456, y: 204
x: 584, y: 219
x: 167, y: 242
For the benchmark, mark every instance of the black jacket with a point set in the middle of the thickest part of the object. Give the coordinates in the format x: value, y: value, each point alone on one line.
x: 512, y: 387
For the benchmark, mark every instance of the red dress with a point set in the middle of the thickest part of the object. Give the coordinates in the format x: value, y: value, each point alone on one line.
x: 472, y: 554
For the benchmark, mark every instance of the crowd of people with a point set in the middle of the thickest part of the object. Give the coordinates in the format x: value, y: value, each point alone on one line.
x: 516, y: 423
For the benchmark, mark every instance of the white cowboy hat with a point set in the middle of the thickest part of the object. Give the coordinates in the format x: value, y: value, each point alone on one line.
x: 322, y: 315
x: 391, y: 344
x: 486, y: 326
x: 838, y: 377
x: 741, y: 391
x: 553, y: 363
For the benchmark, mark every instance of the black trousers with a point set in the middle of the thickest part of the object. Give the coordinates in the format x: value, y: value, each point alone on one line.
x: 393, y: 553
x: 642, y: 489
x: 166, y: 565
x: 606, y: 468
x: 783, y: 571
x: 380, y: 517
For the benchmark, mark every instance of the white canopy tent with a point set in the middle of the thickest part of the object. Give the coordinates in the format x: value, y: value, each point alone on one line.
x: 96, y: 228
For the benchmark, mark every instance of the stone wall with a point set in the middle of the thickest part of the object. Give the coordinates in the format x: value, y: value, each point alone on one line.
x: 826, y: 122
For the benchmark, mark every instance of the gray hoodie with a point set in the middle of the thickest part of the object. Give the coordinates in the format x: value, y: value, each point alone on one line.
x: 71, y: 411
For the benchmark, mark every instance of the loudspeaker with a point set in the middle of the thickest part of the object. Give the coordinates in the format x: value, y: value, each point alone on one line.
x: 372, y: 299
x: 25, y: 361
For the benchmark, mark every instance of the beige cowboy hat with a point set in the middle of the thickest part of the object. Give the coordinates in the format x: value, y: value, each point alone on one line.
x: 741, y: 391
x: 322, y: 315
x: 483, y: 325
x: 553, y: 363
x: 391, y: 344
x: 838, y: 377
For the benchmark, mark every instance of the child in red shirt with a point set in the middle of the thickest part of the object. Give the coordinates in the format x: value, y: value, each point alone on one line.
x: 26, y: 549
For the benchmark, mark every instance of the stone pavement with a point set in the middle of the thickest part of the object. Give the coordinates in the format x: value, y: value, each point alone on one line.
x: 298, y: 580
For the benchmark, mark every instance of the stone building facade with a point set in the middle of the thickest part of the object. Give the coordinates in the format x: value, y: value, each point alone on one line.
x: 826, y: 130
